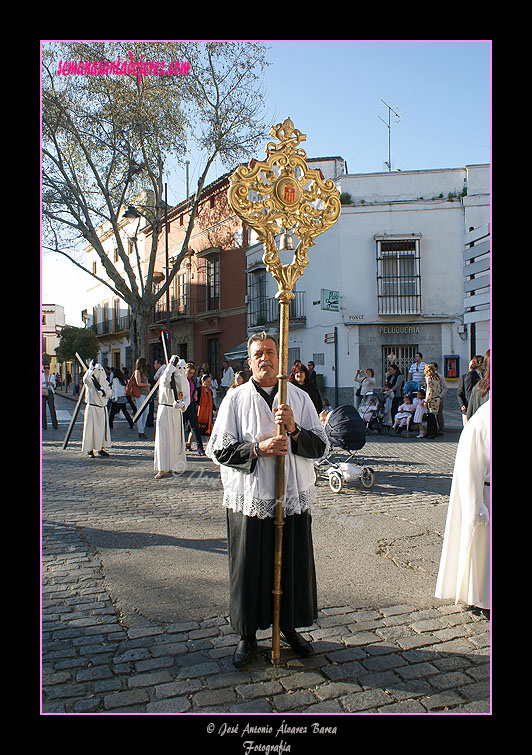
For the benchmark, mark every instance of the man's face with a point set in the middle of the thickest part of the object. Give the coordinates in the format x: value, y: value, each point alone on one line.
x: 264, y: 362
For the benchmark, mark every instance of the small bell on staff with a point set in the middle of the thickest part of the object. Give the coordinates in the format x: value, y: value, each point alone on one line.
x: 286, y: 243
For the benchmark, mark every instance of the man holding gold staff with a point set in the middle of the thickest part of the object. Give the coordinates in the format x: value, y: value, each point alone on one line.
x: 245, y: 444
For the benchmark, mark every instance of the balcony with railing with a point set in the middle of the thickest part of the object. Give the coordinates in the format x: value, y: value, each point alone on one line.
x: 265, y: 312
x: 111, y: 327
x: 178, y: 308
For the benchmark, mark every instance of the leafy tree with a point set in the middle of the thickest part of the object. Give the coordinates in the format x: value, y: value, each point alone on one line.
x: 108, y: 137
x: 82, y: 340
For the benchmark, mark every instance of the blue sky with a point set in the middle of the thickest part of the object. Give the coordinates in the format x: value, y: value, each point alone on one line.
x: 333, y: 92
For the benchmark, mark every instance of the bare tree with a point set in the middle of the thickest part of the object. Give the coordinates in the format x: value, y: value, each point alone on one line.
x: 111, y: 121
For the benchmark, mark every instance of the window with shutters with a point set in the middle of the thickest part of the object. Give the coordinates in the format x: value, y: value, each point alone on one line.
x: 398, y: 276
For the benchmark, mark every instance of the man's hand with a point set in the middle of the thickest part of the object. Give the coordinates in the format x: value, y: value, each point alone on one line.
x: 284, y: 416
x: 276, y: 446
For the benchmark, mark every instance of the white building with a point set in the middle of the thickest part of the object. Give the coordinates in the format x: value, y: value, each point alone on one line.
x: 106, y: 313
x: 53, y: 322
x: 390, y: 278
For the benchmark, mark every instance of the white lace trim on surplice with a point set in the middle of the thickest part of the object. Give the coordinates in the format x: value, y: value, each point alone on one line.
x: 263, y: 508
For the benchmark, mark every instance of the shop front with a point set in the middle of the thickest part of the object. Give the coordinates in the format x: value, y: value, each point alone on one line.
x: 381, y: 345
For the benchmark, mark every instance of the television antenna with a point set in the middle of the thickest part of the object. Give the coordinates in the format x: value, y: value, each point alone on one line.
x: 389, y: 127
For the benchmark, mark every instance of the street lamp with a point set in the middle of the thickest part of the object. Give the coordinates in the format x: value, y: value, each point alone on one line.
x: 131, y: 213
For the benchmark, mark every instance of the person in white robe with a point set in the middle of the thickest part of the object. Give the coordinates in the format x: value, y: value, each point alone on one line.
x: 96, y: 431
x: 244, y: 442
x: 464, y: 571
x: 173, y: 399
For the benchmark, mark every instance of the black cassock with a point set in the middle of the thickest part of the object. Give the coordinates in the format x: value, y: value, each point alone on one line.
x: 250, y: 543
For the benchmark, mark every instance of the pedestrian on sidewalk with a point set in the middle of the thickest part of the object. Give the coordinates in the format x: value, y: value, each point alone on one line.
x: 141, y: 378
x: 174, y: 397
x: 481, y: 390
x: 190, y: 417
x: 420, y: 411
x: 228, y: 377
x: 96, y: 431
x: 119, y: 398
x: 48, y: 397
x: 395, y: 379
x: 205, y: 404
x: 444, y: 388
x: 366, y: 378
x: 466, y: 384
x: 246, y: 445
x: 240, y: 377
x: 416, y: 371
x: 433, y: 393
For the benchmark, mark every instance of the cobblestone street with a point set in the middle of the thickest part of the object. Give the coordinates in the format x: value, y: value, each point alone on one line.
x: 135, y: 590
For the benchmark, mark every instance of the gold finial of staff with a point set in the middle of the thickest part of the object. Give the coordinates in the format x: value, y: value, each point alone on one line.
x: 282, y: 195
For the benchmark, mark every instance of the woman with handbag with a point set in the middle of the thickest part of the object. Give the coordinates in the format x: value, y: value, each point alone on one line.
x: 140, y: 377
x: 119, y: 398
x: 434, y: 390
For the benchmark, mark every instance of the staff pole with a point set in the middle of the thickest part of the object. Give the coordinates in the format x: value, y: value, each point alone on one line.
x: 282, y: 194
x: 280, y: 483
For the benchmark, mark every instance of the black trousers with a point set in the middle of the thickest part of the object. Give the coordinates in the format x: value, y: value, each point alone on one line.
x: 250, y: 542
x: 116, y: 409
x: 49, y: 401
x: 432, y: 425
x: 191, y: 415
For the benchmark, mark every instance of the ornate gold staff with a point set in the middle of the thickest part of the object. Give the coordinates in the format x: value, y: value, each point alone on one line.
x: 282, y: 194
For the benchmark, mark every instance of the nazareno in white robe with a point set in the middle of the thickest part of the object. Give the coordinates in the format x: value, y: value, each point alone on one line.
x: 96, y: 431
x: 464, y: 572
x: 170, y: 449
x: 244, y: 416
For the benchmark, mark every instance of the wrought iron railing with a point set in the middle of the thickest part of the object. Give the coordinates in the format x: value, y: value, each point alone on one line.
x: 266, y: 311
x: 114, y: 325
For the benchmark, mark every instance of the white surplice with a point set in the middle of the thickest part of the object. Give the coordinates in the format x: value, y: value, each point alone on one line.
x: 244, y: 416
x: 464, y: 573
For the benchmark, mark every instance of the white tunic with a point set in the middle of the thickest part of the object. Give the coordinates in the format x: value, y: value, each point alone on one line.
x: 464, y: 572
x: 244, y: 416
x: 170, y: 451
x: 96, y: 432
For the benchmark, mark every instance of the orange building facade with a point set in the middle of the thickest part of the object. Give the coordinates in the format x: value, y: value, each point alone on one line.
x: 207, y: 314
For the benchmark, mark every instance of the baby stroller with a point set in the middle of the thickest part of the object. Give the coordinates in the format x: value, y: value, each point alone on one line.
x: 346, y: 430
x: 372, y: 411
x: 410, y: 388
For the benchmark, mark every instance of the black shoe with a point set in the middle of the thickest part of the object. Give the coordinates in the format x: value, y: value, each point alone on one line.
x: 102, y: 453
x: 298, y: 644
x: 91, y: 453
x: 245, y: 650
